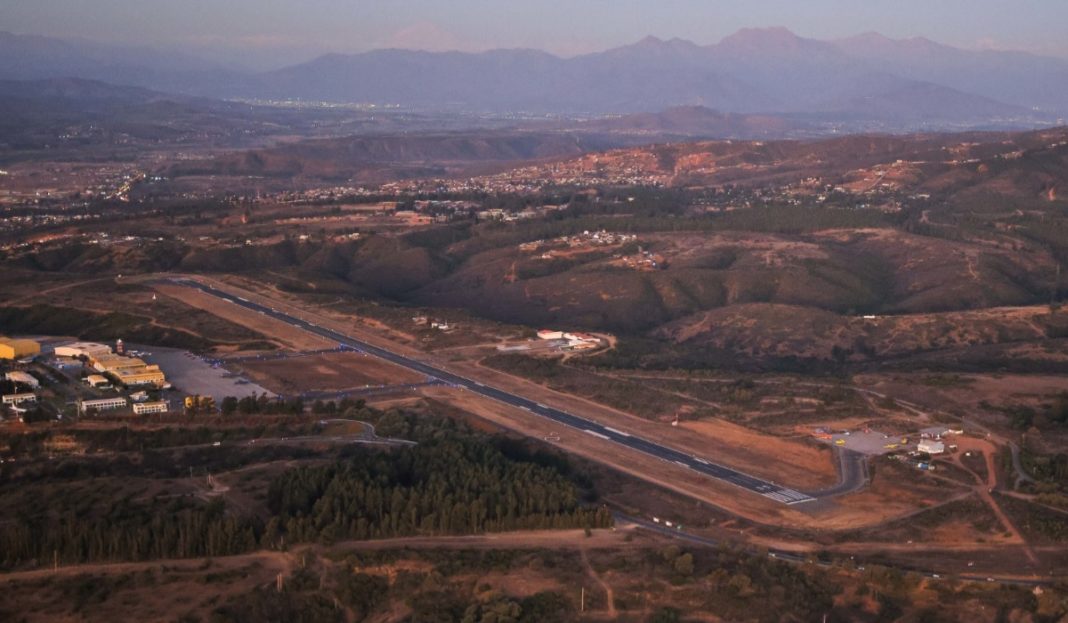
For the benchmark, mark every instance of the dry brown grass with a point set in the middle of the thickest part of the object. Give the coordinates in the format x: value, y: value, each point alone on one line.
x: 326, y: 371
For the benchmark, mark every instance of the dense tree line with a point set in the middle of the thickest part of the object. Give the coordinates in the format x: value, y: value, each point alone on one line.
x: 451, y: 486
x: 454, y: 481
x: 129, y: 531
x: 262, y: 404
x: 1023, y: 417
x: 1050, y: 468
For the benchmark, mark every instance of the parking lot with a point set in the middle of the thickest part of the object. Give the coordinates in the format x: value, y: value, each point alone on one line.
x: 871, y: 442
x: 190, y: 374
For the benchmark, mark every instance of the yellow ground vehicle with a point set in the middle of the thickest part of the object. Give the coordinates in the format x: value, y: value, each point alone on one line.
x: 199, y: 404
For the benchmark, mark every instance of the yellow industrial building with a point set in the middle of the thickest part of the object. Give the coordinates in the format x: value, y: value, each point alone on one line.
x: 128, y: 371
x: 143, y: 375
x: 116, y: 363
x: 17, y: 349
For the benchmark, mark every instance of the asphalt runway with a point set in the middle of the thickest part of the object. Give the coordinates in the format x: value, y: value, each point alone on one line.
x: 704, y: 466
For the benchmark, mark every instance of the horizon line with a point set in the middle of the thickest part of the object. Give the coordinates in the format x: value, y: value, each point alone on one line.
x: 189, y: 48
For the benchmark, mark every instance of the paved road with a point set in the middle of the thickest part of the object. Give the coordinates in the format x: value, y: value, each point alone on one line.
x: 698, y: 464
x: 793, y: 557
x: 852, y: 474
x: 1021, y: 473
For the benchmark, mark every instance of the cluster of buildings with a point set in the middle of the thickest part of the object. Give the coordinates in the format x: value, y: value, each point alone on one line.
x: 123, y: 370
x: 643, y: 260
x: 498, y: 214
x: 598, y: 238
x: 19, y: 222
x: 593, y: 170
x: 932, y: 442
x: 569, y: 340
x: 427, y: 321
x: 24, y: 395
x: 116, y: 368
x: 144, y: 407
x: 585, y: 239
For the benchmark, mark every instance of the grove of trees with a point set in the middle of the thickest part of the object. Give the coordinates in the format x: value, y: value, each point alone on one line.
x: 452, y: 486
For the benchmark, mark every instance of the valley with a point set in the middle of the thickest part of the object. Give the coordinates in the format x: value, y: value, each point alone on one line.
x: 583, y: 367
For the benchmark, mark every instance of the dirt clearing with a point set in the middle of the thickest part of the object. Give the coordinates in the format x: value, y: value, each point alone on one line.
x: 793, y: 457
x: 283, y: 333
x: 335, y: 371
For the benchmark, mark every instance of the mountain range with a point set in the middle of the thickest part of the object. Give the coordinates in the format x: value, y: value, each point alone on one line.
x: 904, y: 84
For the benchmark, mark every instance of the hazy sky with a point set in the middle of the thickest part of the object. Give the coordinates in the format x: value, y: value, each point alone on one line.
x: 283, y: 30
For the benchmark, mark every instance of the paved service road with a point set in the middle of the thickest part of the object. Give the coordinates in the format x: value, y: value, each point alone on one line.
x: 852, y: 474
x: 698, y: 464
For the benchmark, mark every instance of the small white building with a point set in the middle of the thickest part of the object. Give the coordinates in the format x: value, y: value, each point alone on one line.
x: 144, y: 408
x: 930, y: 446
x: 97, y: 380
x: 550, y: 334
x: 102, y: 404
x: 24, y: 378
x: 17, y: 399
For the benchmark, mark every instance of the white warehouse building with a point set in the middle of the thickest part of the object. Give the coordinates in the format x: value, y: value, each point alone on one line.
x: 930, y: 446
x: 17, y: 399
x: 24, y: 378
x: 103, y: 404
x: 82, y: 349
x: 144, y: 408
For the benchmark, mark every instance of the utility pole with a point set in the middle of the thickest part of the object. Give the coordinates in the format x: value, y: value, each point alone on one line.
x: 582, y: 600
x: 1056, y: 286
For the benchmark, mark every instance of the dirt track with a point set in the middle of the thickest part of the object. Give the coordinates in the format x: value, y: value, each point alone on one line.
x: 286, y: 562
x: 278, y: 561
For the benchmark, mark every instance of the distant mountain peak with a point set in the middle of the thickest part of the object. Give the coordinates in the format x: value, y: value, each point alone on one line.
x: 871, y: 42
x: 755, y: 70
x: 774, y: 42
x: 653, y: 44
x: 650, y: 41
x: 771, y: 34
x: 870, y: 36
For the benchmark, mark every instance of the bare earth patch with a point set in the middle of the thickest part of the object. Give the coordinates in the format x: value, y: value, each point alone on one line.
x: 326, y: 371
